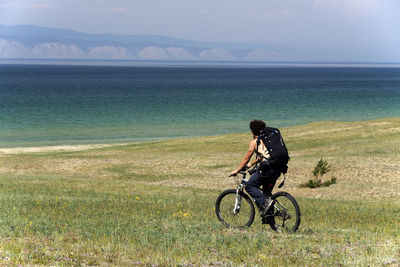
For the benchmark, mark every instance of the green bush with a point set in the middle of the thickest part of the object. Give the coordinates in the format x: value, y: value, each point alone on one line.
x: 329, y: 182
x: 319, y: 171
x: 321, y: 168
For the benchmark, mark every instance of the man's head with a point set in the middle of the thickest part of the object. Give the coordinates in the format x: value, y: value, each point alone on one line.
x: 256, y: 126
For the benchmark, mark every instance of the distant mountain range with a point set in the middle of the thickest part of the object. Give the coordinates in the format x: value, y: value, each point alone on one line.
x: 30, y: 41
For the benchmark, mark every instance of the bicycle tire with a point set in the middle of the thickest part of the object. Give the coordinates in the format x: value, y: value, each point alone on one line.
x: 224, y: 209
x: 286, y: 213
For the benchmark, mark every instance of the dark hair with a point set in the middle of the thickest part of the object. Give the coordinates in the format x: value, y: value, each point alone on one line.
x: 256, y: 126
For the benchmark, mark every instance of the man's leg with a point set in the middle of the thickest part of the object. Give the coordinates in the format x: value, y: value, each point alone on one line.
x: 268, y: 186
x: 252, y: 187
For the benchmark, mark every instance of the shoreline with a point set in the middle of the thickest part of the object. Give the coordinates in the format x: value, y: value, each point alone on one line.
x: 81, y: 147
x: 60, y: 148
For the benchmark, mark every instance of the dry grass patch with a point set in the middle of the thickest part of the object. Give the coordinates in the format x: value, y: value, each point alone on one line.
x: 364, y: 157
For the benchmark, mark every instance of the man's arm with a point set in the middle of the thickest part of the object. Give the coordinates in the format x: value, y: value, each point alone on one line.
x: 246, y: 158
x: 256, y: 160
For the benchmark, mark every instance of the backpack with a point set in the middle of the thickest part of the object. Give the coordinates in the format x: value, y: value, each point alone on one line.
x: 278, y: 153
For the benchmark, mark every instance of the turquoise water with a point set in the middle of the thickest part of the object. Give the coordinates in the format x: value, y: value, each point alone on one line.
x: 51, y: 105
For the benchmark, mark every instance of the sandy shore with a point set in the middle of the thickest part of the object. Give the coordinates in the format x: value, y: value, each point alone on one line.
x: 18, y: 150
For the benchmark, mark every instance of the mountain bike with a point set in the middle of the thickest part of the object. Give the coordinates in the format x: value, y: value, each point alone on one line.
x: 235, y: 208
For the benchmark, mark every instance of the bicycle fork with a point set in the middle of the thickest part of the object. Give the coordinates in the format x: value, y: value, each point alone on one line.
x: 238, y: 202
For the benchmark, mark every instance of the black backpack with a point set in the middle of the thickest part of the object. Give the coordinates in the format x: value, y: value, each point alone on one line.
x: 279, y: 156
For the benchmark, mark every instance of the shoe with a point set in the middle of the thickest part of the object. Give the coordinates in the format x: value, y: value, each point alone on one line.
x: 264, y: 220
x: 267, y: 220
x: 268, y: 203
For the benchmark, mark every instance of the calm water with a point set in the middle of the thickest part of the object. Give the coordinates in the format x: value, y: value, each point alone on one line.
x: 47, y: 105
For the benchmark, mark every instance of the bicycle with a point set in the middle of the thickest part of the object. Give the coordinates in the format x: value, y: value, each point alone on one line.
x: 235, y: 213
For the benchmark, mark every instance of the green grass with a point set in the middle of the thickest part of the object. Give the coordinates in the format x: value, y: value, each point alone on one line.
x: 51, y: 222
x: 154, y: 203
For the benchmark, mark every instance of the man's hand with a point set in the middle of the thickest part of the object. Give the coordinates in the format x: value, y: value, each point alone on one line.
x: 234, y: 173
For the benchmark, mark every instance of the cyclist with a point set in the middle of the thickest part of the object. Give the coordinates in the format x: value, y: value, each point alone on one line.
x: 266, y: 178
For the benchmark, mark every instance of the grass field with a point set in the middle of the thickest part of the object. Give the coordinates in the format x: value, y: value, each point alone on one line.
x: 153, y: 203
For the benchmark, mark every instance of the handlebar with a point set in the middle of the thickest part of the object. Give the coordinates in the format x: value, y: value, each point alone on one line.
x: 244, y: 169
x: 254, y: 170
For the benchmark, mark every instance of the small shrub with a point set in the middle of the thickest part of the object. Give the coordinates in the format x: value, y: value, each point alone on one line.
x: 329, y: 182
x: 312, y: 184
x: 320, y: 169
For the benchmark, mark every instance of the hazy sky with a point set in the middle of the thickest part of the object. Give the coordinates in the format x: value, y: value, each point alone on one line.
x: 332, y: 23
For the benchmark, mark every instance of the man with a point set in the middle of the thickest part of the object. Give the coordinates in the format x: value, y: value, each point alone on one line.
x: 266, y: 177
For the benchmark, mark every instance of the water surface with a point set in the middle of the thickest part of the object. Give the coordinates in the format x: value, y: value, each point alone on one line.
x: 51, y: 105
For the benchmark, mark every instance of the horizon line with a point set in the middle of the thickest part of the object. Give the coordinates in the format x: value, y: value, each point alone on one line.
x: 133, y: 62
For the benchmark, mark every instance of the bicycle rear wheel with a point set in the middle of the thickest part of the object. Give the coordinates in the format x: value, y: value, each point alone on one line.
x: 286, y: 213
x: 236, y: 211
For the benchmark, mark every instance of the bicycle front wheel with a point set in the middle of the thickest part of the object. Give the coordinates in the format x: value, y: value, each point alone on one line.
x: 286, y: 213
x: 234, y: 210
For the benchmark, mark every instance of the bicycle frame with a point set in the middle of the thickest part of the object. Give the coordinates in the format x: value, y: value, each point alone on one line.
x: 240, y: 188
